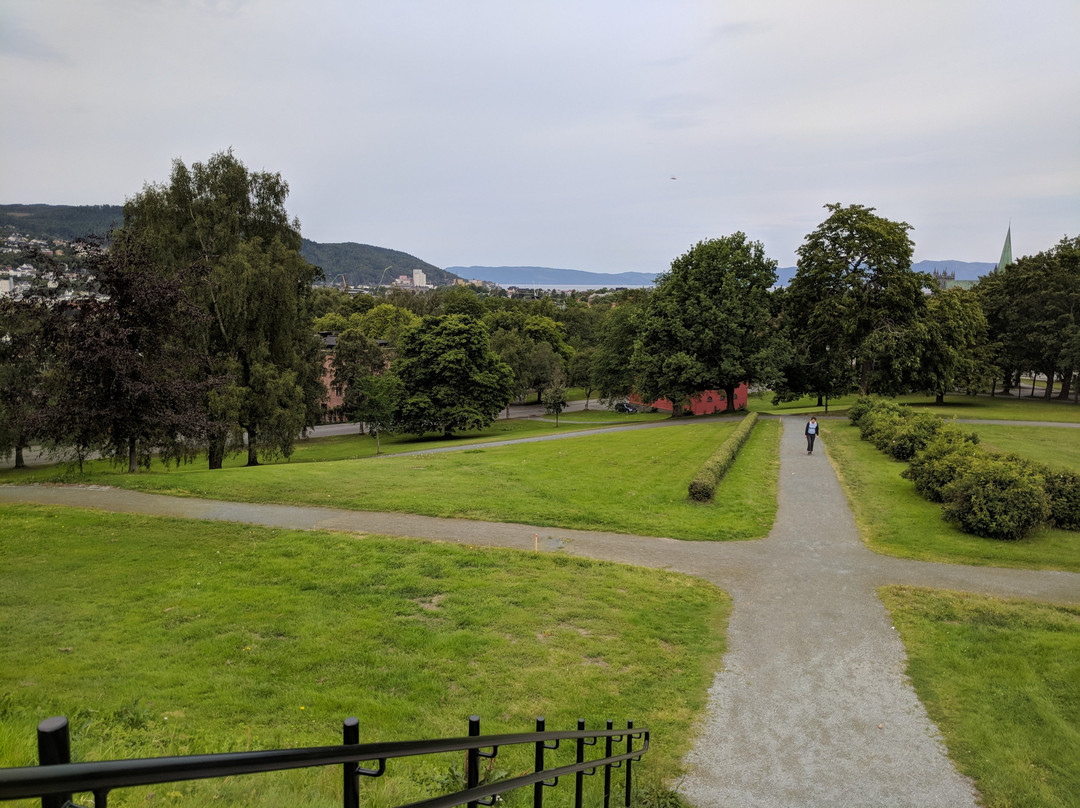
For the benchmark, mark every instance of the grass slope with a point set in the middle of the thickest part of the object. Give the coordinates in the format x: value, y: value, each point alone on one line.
x: 1001, y: 679
x: 629, y: 482
x: 895, y: 520
x: 159, y: 636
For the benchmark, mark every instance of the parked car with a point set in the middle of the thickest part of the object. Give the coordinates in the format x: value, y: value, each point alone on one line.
x: 622, y: 406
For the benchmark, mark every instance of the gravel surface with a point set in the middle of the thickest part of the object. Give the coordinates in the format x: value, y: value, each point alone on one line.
x: 812, y: 707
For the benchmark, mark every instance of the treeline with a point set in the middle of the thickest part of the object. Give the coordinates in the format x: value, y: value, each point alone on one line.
x: 364, y: 265
x: 200, y: 332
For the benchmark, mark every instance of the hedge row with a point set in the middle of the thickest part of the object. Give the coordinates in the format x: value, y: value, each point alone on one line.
x: 993, y: 495
x: 703, y: 486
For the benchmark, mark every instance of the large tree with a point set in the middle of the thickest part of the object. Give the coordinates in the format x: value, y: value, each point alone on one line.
x: 1033, y: 307
x: 856, y: 302
x: 450, y: 378
x: 707, y: 324
x: 954, y: 351
x: 228, y: 226
x: 126, y: 383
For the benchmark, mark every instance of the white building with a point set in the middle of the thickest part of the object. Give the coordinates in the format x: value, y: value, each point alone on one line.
x: 419, y: 279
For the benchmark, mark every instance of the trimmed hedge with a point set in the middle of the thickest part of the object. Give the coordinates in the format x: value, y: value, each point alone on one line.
x: 703, y: 486
x: 940, y: 460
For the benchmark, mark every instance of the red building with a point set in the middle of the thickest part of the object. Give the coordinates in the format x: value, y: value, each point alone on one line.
x: 704, y: 403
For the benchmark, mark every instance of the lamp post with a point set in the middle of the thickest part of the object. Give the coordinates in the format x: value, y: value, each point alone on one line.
x: 828, y: 378
x: 382, y: 277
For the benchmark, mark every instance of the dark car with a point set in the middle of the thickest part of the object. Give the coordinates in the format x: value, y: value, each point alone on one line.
x: 622, y: 406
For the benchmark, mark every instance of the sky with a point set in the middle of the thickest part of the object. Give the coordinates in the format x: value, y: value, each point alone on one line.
x: 600, y: 135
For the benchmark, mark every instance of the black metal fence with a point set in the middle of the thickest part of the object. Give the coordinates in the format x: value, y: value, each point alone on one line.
x: 56, y: 780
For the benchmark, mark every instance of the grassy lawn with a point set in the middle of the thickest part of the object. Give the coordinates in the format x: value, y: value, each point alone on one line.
x: 158, y: 636
x: 895, y: 520
x: 595, y: 417
x: 1000, y: 679
x: 998, y: 407
x: 1055, y: 446
x: 629, y: 482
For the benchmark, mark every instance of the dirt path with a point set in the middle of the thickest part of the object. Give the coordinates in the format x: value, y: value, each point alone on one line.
x: 812, y: 707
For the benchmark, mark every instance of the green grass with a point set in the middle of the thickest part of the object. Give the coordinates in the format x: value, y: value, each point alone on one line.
x: 997, y: 408
x: 629, y: 482
x: 158, y: 636
x: 894, y: 519
x: 1055, y: 446
x: 594, y: 417
x: 1001, y: 679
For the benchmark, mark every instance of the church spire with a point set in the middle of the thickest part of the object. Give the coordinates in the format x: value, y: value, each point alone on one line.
x: 1006, y: 251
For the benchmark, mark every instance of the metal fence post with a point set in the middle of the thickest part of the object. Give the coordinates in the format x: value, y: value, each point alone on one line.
x: 607, y: 768
x: 579, y: 781
x: 54, y: 746
x: 351, y: 792
x: 538, y: 761
x: 472, y: 759
x: 629, y: 749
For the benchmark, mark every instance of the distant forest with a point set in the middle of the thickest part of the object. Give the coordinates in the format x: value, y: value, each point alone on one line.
x: 361, y: 264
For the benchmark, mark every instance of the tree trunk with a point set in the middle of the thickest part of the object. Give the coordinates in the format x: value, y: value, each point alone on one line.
x: 133, y: 461
x: 820, y: 399
x: 253, y: 452
x: 215, y: 453
x: 939, y: 398
x: 1066, y: 385
x: 19, y: 462
x: 729, y: 391
x: 1049, y: 392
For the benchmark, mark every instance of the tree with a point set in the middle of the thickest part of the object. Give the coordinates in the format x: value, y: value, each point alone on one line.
x: 27, y: 350
x: 357, y: 358
x: 612, y: 372
x: 555, y: 396
x: 387, y: 321
x: 450, y: 377
x: 229, y: 227
x: 855, y: 301
x: 707, y: 323
x: 580, y: 371
x: 127, y: 382
x: 1033, y: 308
x: 953, y: 351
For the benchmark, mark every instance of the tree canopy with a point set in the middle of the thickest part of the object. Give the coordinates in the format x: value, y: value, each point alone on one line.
x: 706, y: 326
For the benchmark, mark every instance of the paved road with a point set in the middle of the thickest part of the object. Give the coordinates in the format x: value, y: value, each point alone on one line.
x: 812, y: 707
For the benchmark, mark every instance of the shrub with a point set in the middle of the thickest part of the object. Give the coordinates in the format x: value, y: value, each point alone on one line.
x: 996, y: 497
x: 703, y: 486
x: 940, y: 461
x: 857, y: 410
x: 913, y: 434
x: 880, y: 424
x: 1063, y: 490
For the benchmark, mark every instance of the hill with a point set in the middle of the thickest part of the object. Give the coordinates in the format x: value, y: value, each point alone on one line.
x: 67, y: 222
x: 361, y: 264
x: 365, y: 265
x: 965, y: 270
x: 550, y: 278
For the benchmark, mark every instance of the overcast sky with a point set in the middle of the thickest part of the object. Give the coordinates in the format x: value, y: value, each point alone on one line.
x: 606, y: 136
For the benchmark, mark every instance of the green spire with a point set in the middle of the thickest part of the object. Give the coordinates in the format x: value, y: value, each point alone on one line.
x: 1006, y: 251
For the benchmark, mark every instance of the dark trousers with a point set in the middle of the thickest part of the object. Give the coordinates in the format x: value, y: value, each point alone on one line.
x: 810, y: 442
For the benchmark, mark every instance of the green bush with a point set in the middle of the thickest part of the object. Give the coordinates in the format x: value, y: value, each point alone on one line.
x: 703, y: 486
x: 861, y: 406
x: 996, y: 497
x: 940, y: 461
x: 913, y: 434
x: 880, y: 424
x: 1063, y: 489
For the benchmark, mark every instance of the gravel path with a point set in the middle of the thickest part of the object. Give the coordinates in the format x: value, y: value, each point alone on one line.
x: 812, y: 707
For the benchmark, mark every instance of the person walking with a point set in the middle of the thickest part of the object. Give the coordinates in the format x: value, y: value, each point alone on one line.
x: 811, y: 433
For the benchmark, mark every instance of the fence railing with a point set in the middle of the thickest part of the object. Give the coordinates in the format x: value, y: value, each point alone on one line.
x: 55, y: 780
